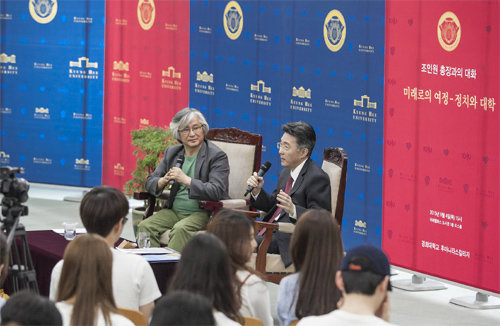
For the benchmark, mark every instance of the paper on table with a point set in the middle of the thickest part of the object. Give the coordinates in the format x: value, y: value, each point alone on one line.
x: 78, y: 231
x: 149, y: 251
x: 159, y: 258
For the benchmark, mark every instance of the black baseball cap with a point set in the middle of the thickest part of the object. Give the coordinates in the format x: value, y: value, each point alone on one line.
x: 367, y: 258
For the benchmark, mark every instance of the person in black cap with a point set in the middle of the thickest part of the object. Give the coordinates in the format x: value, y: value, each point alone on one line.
x: 363, y: 280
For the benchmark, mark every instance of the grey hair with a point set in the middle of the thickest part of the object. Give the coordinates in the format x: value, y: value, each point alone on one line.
x: 182, y: 118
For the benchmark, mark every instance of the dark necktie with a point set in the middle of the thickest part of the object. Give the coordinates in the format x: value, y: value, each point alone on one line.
x: 288, y: 188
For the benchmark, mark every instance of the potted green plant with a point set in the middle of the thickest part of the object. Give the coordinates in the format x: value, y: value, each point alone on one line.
x: 149, y: 145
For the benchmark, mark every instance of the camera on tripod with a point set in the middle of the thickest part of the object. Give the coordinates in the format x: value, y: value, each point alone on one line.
x: 15, y: 192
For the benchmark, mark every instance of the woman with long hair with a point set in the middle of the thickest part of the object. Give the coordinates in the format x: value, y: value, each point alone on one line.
x: 317, y: 250
x: 85, y: 294
x: 205, y: 269
x: 236, y: 230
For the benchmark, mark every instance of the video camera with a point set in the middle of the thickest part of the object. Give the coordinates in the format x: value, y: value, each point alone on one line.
x: 15, y: 192
x: 22, y: 272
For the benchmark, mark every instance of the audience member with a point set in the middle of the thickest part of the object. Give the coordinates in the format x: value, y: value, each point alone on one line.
x: 205, y: 269
x: 85, y: 291
x: 236, y: 230
x: 103, y: 210
x: 316, y: 250
x: 204, y: 175
x: 26, y: 309
x: 364, y: 282
x: 301, y: 185
x: 182, y: 308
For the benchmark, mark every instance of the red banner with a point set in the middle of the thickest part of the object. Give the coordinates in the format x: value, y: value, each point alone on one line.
x: 146, y: 75
x: 441, y: 152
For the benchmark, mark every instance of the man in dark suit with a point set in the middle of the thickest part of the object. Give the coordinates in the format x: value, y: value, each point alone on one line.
x: 301, y: 185
x: 204, y: 175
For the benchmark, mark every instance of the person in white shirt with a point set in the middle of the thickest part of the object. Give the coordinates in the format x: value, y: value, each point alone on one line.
x: 205, y: 269
x: 85, y: 291
x: 364, y: 282
x: 236, y: 230
x: 103, y: 210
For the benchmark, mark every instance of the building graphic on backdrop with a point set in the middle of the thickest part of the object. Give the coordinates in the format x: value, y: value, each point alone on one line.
x: 233, y: 20
x: 121, y: 72
x: 119, y: 169
x: 83, y: 68
x: 299, y: 100
x: 449, y: 31
x: 146, y: 13
x: 203, y: 83
x: 4, y: 158
x: 41, y: 113
x: 258, y: 93
x: 365, y: 99
x: 5, y: 110
x: 43, y: 11
x: 171, y: 79
x: 82, y: 164
x: 8, y: 64
x: 360, y: 227
x: 364, y: 110
x: 334, y: 30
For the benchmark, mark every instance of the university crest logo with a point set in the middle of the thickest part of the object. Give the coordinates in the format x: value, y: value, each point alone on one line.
x: 146, y: 13
x: 233, y: 20
x: 449, y: 31
x: 43, y: 11
x: 334, y: 30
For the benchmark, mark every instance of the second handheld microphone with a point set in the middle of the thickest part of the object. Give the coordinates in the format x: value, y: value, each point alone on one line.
x: 262, y: 171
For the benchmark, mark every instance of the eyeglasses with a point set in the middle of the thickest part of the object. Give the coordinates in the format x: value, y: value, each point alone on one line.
x: 284, y: 147
x: 187, y: 130
x: 124, y: 220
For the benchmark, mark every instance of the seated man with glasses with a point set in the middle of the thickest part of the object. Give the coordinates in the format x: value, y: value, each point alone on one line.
x: 103, y: 211
x: 301, y: 185
x: 196, y: 170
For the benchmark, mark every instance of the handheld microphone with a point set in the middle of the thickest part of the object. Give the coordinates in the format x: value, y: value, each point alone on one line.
x: 262, y: 171
x: 178, y: 164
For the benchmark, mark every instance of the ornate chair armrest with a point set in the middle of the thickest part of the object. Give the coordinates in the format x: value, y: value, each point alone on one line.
x: 260, y: 263
x: 252, y: 214
x: 212, y: 206
x: 234, y: 203
x: 286, y: 227
x: 151, y: 202
x: 142, y: 195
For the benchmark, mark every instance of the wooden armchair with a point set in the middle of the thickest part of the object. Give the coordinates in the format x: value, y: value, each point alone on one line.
x: 243, y: 150
x: 335, y: 165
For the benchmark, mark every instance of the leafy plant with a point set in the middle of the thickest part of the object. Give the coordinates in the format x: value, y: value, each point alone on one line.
x: 149, y: 143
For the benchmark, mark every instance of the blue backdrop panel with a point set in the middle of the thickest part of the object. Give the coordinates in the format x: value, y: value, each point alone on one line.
x: 51, y: 120
x: 271, y: 64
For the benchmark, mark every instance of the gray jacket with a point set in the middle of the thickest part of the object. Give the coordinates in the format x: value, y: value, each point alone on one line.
x: 211, y: 174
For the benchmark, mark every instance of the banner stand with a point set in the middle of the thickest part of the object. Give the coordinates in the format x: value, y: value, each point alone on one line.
x: 480, y: 301
x: 418, y: 283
